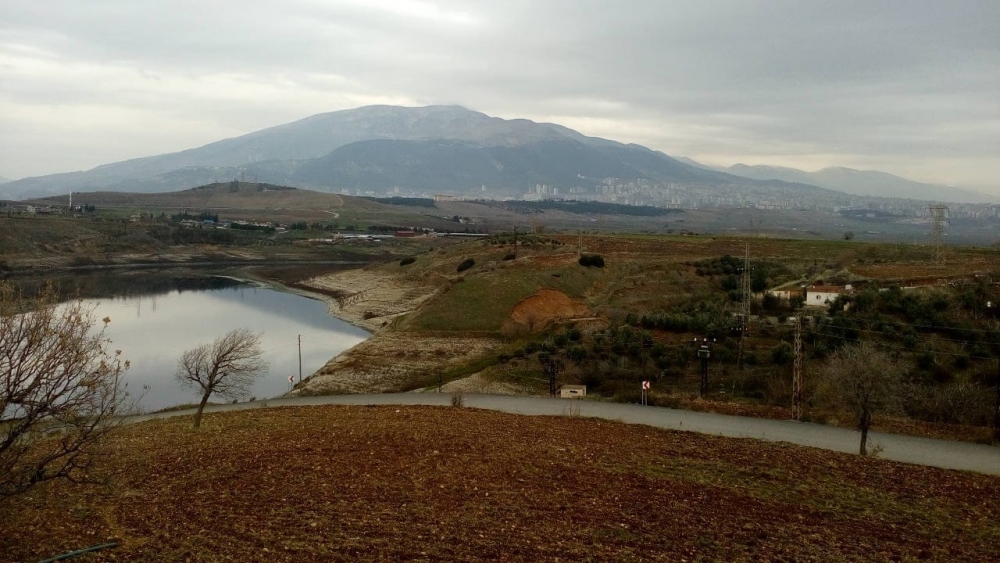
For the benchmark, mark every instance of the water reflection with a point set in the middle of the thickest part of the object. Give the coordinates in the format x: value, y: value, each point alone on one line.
x: 152, y: 331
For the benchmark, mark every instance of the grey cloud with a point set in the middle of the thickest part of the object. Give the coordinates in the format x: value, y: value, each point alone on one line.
x: 904, y: 81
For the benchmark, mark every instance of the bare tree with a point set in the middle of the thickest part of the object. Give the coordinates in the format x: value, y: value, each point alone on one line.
x: 60, y: 389
x: 866, y: 380
x: 227, y: 367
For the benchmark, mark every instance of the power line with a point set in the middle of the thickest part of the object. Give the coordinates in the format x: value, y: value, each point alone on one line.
x: 797, y: 372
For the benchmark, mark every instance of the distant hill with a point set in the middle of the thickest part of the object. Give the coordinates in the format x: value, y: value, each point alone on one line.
x: 4, y: 180
x: 434, y: 148
x: 456, y: 166
x: 308, y: 138
x: 861, y: 182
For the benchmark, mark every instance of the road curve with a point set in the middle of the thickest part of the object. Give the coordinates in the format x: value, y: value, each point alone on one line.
x: 908, y: 449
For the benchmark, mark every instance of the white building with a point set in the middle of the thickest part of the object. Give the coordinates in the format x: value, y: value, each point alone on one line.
x: 823, y: 295
x: 573, y: 391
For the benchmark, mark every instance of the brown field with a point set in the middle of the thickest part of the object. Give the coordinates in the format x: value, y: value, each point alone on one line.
x: 449, y: 484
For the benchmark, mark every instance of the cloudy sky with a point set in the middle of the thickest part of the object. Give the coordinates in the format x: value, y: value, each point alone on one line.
x: 910, y: 87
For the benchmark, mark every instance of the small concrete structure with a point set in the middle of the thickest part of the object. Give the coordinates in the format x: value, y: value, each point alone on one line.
x: 823, y: 295
x: 572, y: 391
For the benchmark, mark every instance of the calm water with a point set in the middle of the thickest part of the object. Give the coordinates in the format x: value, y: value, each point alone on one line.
x: 154, y: 330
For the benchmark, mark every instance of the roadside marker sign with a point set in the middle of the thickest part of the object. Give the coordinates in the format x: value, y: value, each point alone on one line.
x: 645, y: 386
x: 645, y: 393
x: 291, y: 379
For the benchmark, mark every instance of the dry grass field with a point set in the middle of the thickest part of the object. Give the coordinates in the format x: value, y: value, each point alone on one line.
x: 453, y: 484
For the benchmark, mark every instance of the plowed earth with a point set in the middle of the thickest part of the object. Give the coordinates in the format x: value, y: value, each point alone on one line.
x: 450, y: 484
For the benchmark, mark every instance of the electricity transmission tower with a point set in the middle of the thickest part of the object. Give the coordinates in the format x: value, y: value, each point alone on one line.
x: 743, y: 317
x: 797, y: 372
x: 939, y: 220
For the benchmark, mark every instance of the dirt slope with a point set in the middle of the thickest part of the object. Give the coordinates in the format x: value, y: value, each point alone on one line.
x: 548, y: 305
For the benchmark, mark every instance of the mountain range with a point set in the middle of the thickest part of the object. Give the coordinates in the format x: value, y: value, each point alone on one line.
x: 429, y: 150
x: 861, y: 182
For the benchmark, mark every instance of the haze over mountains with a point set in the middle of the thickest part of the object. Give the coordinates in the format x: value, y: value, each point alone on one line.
x: 447, y: 149
x: 861, y: 182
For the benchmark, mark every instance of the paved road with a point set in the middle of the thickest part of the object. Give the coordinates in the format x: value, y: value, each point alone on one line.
x: 909, y: 449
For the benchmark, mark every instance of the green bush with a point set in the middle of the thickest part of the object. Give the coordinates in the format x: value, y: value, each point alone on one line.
x: 509, y: 256
x: 592, y: 260
x: 407, y: 260
x: 782, y: 354
x: 466, y: 264
x: 577, y: 353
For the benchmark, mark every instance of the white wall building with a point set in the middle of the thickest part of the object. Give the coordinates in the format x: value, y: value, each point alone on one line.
x: 823, y: 295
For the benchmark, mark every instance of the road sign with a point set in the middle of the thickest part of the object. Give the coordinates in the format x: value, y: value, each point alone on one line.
x: 645, y: 386
x: 291, y: 379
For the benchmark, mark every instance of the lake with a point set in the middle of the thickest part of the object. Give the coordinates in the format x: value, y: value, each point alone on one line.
x: 153, y: 330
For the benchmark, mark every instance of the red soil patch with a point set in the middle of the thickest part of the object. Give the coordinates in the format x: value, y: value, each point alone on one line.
x: 544, y: 307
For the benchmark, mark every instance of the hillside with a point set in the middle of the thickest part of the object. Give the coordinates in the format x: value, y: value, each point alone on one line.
x: 457, y: 166
x: 305, y: 139
x: 382, y: 147
x: 488, y: 327
x: 452, y: 484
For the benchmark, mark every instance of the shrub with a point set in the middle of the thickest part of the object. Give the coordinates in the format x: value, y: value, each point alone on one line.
x: 577, y: 353
x: 782, y: 354
x: 509, y: 256
x: 407, y: 260
x: 466, y: 264
x: 590, y: 260
x: 961, y: 361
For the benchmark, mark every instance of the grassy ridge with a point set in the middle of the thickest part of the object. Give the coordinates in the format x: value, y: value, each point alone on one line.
x: 483, y: 300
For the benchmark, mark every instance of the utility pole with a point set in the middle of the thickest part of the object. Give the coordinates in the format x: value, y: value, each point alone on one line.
x: 743, y: 318
x: 300, y: 358
x: 939, y: 219
x: 704, y: 353
x: 579, y: 246
x: 797, y: 373
x: 552, y: 378
x: 515, y: 242
x: 551, y: 369
x: 996, y: 409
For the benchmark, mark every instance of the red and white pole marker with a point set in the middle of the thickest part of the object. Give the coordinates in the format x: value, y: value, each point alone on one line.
x: 645, y: 392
